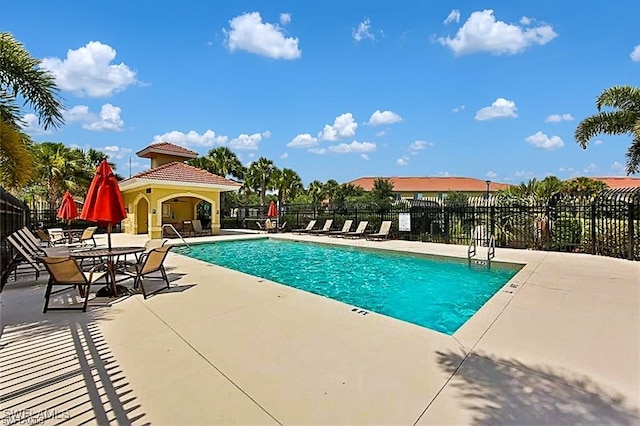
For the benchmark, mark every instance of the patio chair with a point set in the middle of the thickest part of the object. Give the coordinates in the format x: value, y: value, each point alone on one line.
x: 270, y: 226
x: 383, y: 233
x: 198, y: 230
x: 282, y: 227
x: 149, y: 263
x: 66, y: 271
x: 345, y: 228
x: 260, y: 227
x: 56, y: 236
x: 86, y: 238
x: 359, y: 232
x: 34, y: 239
x: 309, y: 227
x: 23, y: 259
x: 325, y: 229
x: 44, y: 237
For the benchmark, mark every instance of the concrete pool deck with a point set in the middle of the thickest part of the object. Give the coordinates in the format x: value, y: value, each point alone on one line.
x: 558, y: 344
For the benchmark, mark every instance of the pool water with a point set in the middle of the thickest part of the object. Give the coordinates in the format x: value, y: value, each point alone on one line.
x: 438, y: 293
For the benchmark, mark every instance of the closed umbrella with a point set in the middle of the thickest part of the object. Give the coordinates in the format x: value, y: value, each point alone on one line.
x: 105, y: 206
x: 68, y: 211
x: 104, y: 203
x: 273, y: 211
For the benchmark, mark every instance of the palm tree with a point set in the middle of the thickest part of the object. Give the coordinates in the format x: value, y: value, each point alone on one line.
x: 260, y: 176
x: 287, y: 183
x: 59, y: 168
x: 22, y: 78
x: 330, y: 189
x: 225, y: 162
x: 624, y: 119
x: 316, y: 191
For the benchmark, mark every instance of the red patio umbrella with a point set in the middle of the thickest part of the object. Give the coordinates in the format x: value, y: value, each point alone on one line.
x: 273, y: 211
x: 68, y: 210
x: 104, y: 203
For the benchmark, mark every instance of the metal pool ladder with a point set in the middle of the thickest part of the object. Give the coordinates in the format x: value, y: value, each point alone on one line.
x: 170, y: 226
x: 472, y: 250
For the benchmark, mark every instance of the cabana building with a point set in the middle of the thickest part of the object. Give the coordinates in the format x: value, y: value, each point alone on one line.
x: 172, y: 192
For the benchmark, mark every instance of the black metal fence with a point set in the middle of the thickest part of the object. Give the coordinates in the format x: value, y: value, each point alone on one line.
x: 14, y: 214
x: 47, y: 218
x: 608, y: 224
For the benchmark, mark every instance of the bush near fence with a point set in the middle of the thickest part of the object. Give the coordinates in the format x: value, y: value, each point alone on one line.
x: 608, y: 224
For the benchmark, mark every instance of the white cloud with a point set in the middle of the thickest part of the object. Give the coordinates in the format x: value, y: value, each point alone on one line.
x: 284, y: 156
x: 557, y: 118
x: 245, y: 141
x: 635, y: 55
x: 266, y: 134
x: 248, y: 32
x: 355, y: 146
x: 192, y: 138
x: 540, y: 140
x: 89, y: 71
x: 319, y: 151
x: 454, y: 16
x: 108, y: 118
x: 444, y: 174
x: 458, y: 108
x: 525, y: 21
x: 382, y: 132
x: 344, y: 126
x: 598, y: 142
x: 500, y: 108
x: 419, y: 145
x: 362, y: 31
x: 364, y: 156
x: 117, y: 153
x: 285, y: 18
x: 482, y: 33
x: 31, y: 126
x: 617, y: 167
x: 524, y: 174
x: 491, y: 174
x: 591, y: 168
x: 379, y: 118
x: 304, y: 140
x: 402, y: 161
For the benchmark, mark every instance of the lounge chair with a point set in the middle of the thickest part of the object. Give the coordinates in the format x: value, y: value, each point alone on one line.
x: 197, y: 228
x: 383, y: 233
x: 24, y: 258
x: 283, y: 227
x: 56, y: 236
x: 66, y: 271
x: 325, y: 229
x: 306, y: 230
x: 345, y: 228
x: 86, y: 238
x: 270, y: 226
x: 260, y: 227
x: 44, y: 237
x: 148, y: 264
x: 359, y: 232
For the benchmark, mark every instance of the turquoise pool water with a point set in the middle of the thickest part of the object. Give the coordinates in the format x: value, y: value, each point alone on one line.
x: 439, y: 294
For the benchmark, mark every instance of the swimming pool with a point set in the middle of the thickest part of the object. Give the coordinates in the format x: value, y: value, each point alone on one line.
x: 438, y: 293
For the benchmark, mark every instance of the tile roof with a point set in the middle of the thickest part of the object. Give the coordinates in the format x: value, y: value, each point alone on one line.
x: 184, y: 173
x: 166, y: 148
x: 433, y: 184
x: 615, y: 182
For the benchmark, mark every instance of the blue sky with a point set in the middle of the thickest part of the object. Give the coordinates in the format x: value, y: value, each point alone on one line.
x: 340, y: 89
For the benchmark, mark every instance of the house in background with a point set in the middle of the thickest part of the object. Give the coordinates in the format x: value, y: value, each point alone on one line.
x: 172, y: 192
x: 619, y: 182
x: 417, y: 188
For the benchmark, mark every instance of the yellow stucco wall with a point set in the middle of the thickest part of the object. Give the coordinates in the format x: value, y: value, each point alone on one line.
x: 160, y: 195
x: 160, y: 159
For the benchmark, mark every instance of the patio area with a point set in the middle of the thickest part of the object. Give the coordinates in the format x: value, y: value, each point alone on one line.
x: 558, y: 344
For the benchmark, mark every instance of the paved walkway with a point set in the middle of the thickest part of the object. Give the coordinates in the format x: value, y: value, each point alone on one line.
x: 558, y: 344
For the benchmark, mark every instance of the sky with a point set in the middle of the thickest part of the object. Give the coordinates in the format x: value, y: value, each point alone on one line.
x: 339, y: 89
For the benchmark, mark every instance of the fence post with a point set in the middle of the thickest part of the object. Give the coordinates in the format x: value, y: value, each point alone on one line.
x: 631, y: 230
x: 447, y: 229
x: 593, y: 227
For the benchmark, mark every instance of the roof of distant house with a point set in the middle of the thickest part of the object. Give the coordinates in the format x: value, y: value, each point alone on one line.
x: 616, y: 182
x: 177, y: 172
x: 166, y: 148
x: 433, y: 184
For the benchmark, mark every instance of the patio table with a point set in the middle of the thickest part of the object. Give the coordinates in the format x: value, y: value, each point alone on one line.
x: 112, y: 289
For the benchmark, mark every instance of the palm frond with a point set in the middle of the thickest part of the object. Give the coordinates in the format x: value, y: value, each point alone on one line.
x: 609, y: 122
x: 621, y: 97
x: 633, y: 157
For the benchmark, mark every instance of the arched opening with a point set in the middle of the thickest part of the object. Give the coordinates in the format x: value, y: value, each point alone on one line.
x: 203, y: 213
x: 142, y: 216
